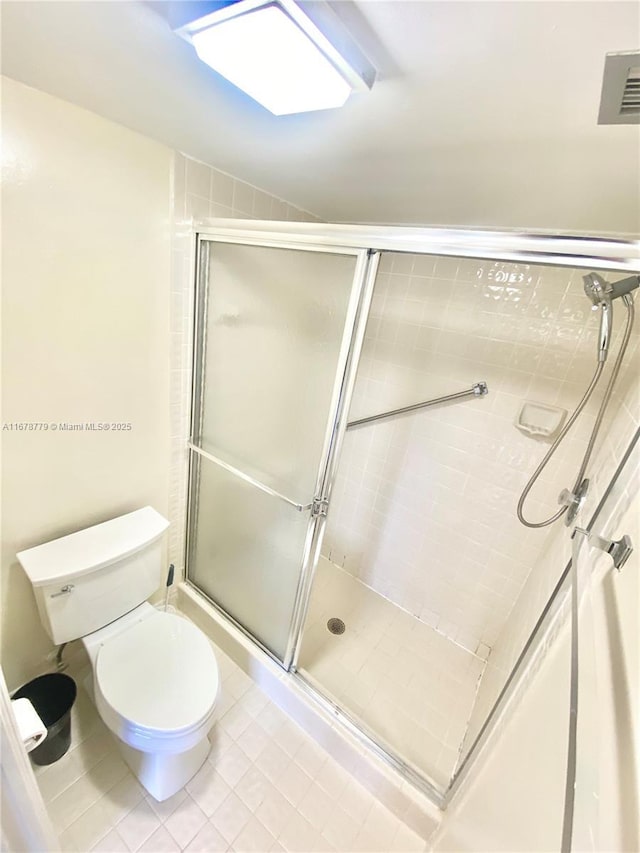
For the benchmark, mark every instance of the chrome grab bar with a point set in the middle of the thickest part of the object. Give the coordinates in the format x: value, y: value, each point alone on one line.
x: 248, y: 479
x: 480, y: 389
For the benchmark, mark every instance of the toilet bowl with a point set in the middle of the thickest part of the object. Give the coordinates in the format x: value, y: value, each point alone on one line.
x: 154, y: 677
x: 155, y: 683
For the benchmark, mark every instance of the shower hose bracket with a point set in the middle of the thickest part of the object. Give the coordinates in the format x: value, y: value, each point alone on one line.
x: 574, y: 501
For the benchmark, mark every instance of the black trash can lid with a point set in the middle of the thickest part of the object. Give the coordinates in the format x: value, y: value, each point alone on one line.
x: 52, y: 695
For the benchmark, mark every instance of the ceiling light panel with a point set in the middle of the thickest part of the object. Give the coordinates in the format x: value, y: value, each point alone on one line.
x: 276, y: 54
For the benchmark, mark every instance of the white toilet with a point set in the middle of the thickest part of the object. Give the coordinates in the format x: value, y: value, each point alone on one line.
x: 154, y: 674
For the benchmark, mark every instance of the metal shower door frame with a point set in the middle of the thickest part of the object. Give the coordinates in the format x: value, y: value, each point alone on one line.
x: 620, y: 254
x: 366, y: 263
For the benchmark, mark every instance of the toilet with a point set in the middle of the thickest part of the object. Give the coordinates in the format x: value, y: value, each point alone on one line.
x: 154, y: 677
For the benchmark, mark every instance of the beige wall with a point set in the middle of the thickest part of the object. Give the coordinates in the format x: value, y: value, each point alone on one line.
x: 85, y: 310
x: 514, y: 801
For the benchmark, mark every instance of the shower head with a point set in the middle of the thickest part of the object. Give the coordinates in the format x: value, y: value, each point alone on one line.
x: 602, y: 293
x: 597, y: 288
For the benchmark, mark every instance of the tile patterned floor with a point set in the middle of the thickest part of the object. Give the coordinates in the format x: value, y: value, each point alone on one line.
x: 266, y: 786
x: 407, y: 682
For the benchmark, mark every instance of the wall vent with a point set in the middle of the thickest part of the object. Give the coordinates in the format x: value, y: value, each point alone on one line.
x: 620, y: 101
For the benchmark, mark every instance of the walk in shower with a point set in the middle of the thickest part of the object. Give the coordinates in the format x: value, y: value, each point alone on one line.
x: 368, y: 405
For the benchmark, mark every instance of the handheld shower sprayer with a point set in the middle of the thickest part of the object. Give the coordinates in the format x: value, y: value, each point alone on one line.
x: 601, y: 293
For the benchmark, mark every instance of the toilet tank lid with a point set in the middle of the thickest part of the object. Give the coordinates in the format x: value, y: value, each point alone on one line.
x: 92, y: 548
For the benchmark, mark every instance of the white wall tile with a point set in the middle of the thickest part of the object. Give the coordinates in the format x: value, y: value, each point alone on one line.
x: 408, y: 488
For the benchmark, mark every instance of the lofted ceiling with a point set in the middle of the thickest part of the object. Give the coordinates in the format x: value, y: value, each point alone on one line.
x: 484, y: 113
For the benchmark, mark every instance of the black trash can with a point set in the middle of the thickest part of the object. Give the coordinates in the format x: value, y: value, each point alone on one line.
x: 52, y: 695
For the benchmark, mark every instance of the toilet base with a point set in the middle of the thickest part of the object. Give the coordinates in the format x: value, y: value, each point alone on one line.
x: 163, y: 774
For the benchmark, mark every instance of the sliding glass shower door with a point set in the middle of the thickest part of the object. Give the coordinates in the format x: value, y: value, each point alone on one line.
x: 273, y: 351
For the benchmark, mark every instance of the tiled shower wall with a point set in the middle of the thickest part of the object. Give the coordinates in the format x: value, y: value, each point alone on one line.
x: 199, y: 192
x: 424, y: 504
x: 621, y: 422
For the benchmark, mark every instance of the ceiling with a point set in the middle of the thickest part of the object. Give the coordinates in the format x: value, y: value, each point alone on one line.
x: 484, y: 113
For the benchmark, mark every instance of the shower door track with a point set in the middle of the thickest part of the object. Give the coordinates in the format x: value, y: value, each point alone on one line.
x: 368, y: 737
x: 569, y: 250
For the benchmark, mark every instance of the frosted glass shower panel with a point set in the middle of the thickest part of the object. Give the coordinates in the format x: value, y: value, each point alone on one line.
x: 273, y: 325
x: 246, y: 553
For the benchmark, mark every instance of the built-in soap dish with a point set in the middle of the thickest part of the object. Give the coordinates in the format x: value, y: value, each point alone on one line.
x: 540, y: 420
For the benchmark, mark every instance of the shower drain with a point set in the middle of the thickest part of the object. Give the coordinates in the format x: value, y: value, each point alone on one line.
x: 336, y: 626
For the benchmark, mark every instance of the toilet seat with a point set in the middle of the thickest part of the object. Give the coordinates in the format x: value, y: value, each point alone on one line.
x: 156, y: 683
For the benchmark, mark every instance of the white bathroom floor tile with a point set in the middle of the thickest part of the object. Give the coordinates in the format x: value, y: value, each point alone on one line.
x: 406, y: 841
x: 111, y: 843
x: 88, y: 829
x: 275, y: 812
x: 381, y: 824
x: 231, y: 817
x: 185, y: 822
x: 57, y: 777
x: 161, y: 842
x: 235, y: 722
x: 208, y: 789
x: 254, y: 838
x: 166, y: 808
x: 253, y: 788
x: 294, y: 783
x: 138, y: 825
x: 253, y: 740
x: 341, y: 830
x: 233, y: 764
x: 123, y: 798
x: 71, y: 803
x: 273, y: 761
x: 317, y: 806
x: 208, y: 840
x: 266, y: 786
x: 356, y: 801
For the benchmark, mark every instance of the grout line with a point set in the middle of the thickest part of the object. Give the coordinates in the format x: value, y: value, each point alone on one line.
x: 408, y: 612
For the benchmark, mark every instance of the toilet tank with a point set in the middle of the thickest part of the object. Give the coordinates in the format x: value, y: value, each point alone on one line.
x: 90, y: 578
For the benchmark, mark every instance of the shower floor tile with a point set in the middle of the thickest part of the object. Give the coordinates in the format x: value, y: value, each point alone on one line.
x: 404, y: 680
x: 261, y: 788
